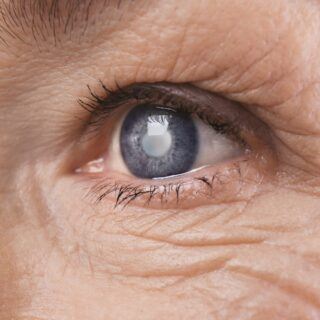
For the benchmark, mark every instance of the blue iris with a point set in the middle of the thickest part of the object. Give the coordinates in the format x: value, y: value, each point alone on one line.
x: 158, y: 142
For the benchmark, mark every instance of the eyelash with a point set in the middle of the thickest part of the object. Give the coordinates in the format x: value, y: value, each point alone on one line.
x: 101, y: 107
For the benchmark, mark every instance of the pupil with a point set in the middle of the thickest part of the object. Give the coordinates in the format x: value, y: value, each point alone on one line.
x: 156, y: 142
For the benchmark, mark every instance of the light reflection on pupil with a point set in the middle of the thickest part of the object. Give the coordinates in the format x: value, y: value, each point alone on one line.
x: 158, y: 140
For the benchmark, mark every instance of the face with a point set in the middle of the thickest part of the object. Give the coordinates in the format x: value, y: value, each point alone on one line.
x: 159, y: 160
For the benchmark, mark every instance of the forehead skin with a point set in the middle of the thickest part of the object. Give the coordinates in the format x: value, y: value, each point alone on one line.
x: 64, y: 259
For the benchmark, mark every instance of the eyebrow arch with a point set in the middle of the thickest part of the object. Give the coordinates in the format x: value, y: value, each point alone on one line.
x: 49, y: 19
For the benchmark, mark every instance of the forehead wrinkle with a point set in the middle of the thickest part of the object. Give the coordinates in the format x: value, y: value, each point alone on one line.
x: 44, y: 20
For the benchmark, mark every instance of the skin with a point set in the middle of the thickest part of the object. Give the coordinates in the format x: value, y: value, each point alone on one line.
x: 253, y: 257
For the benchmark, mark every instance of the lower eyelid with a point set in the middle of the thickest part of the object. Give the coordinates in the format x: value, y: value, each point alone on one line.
x: 238, y: 180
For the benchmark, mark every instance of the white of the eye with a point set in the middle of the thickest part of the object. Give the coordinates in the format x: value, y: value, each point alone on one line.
x: 157, y: 141
x: 215, y: 147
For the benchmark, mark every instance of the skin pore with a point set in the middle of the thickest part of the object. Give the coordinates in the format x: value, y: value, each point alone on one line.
x: 250, y: 254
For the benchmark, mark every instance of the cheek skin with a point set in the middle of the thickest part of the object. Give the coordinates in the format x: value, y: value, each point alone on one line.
x: 225, y: 259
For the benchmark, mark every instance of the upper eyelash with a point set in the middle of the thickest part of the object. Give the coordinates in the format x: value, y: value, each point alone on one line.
x: 96, y: 104
x: 101, y: 106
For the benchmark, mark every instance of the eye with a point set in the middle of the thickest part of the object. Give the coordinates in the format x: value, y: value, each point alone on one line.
x: 156, y: 142
x: 156, y: 139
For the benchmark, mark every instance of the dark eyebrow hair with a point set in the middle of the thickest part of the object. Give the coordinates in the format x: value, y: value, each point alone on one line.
x: 48, y: 19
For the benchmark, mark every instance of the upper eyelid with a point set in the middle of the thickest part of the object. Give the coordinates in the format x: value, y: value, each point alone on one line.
x: 240, y: 125
x: 110, y: 100
x: 189, y: 98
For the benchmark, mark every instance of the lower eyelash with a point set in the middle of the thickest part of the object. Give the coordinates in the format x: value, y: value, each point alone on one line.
x: 127, y: 193
x: 236, y: 182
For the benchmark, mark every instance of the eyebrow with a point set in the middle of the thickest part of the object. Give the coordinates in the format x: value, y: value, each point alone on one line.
x: 45, y: 19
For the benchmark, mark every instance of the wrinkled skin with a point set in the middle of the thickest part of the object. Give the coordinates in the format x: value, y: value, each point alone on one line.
x: 255, y: 258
